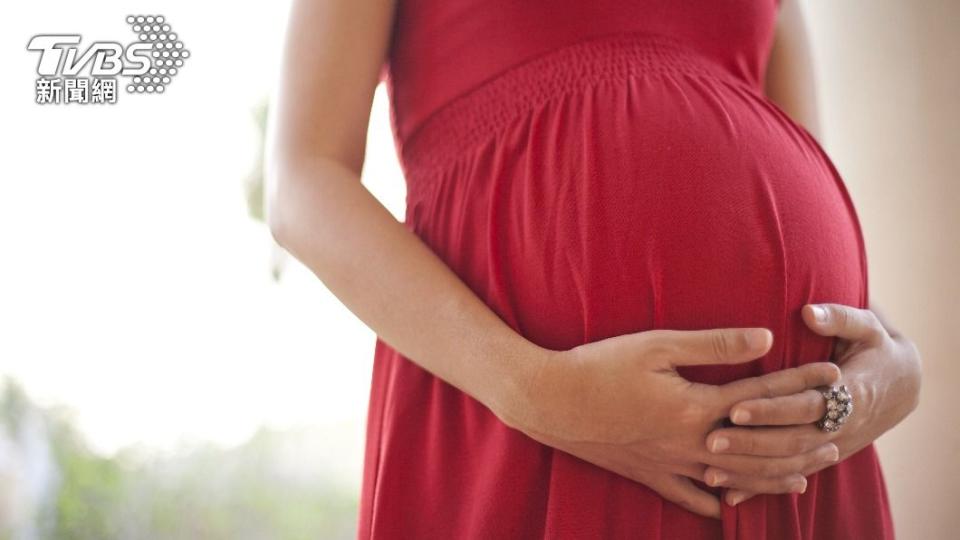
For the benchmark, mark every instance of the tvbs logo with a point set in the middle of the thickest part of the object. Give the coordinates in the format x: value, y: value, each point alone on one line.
x: 148, y: 64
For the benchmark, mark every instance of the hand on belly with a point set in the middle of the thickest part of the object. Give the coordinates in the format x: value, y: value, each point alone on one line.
x: 619, y: 403
x: 881, y: 370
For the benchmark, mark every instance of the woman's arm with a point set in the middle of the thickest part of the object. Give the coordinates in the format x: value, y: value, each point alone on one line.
x: 320, y: 212
x: 790, y: 81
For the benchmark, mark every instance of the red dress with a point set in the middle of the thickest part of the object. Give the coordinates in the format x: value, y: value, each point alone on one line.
x: 590, y: 169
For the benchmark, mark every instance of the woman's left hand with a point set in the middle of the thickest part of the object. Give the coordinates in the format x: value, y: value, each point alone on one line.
x: 882, y: 371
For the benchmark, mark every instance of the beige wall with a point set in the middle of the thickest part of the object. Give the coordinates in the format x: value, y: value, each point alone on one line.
x: 889, y: 86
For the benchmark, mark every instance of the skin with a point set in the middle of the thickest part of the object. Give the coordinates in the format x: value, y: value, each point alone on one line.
x: 790, y: 81
x: 618, y: 403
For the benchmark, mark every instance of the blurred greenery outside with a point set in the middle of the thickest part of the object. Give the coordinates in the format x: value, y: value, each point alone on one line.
x: 274, y: 486
x: 268, y: 487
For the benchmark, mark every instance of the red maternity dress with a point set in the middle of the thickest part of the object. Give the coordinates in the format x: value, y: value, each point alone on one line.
x: 590, y: 169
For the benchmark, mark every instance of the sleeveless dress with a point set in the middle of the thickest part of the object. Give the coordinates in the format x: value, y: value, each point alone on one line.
x: 591, y: 169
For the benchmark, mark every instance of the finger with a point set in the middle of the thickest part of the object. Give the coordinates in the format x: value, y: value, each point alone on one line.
x: 779, y: 383
x: 791, y: 483
x: 844, y: 322
x: 734, y: 497
x: 768, y: 442
x: 819, y: 467
x: 681, y: 490
x: 803, y: 463
x: 715, y: 346
x: 805, y: 407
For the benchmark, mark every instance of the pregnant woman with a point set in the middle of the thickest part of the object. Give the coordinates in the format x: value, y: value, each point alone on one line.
x: 626, y: 273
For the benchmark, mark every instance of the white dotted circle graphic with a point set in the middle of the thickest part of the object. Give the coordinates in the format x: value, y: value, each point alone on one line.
x: 166, y: 51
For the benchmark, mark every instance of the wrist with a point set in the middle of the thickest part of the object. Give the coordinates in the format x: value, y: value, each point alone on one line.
x: 519, y: 399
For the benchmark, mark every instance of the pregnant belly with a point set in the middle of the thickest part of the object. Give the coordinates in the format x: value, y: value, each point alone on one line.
x: 622, y: 201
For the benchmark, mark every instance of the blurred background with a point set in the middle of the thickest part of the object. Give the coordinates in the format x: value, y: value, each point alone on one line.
x: 165, y: 371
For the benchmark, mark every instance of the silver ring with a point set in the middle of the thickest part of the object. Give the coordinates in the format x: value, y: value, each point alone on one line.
x: 839, y: 406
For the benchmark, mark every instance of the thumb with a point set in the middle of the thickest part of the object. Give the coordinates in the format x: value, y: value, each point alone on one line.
x: 845, y: 322
x: 715, y: 346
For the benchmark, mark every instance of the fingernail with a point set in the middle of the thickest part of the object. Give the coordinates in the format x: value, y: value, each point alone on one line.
x: 741, y: 416
x: 757, y: 338
x: 819, y: 314
x: 735, y: 499
x: 719, y: 477
x: 720, y: 444
x: 834, y: 454
x: 800, y: 487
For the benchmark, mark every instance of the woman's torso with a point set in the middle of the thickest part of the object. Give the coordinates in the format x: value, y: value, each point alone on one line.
x: 592, y: 169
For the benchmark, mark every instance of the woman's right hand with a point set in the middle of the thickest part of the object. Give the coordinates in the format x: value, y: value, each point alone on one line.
x: 619, y: 403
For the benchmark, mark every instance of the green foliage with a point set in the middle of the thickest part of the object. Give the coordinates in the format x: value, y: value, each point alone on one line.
x: 267, y: 488
x: 91, y: 493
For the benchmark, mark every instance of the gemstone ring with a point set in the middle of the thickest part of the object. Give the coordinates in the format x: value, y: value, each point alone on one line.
x: 839, y: 406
